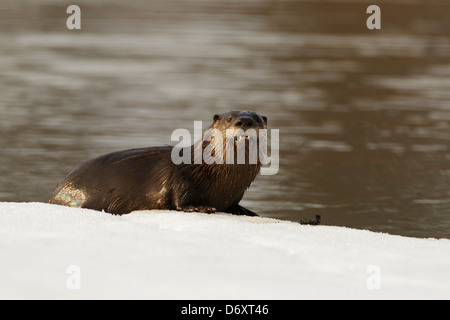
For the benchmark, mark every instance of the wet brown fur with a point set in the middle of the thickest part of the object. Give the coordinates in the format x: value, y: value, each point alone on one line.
x: 146, y: 179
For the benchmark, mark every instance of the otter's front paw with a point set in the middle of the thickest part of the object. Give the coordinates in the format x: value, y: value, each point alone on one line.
x: 203, y: 209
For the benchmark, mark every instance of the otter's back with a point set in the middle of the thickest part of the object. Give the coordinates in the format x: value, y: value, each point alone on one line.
x: 116, y: 182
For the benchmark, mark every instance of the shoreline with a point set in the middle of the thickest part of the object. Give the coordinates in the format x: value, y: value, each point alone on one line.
x: 175, y: 255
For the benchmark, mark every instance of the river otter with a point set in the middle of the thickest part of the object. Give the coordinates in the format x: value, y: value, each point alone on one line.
x: 147, y: 178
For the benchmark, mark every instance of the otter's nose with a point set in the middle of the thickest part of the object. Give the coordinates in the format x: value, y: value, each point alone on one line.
x: 245, y: 122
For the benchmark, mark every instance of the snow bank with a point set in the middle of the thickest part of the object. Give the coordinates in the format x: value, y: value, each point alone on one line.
x: 172, y: 255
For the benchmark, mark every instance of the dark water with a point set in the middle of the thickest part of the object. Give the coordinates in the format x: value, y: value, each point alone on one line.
x: 364, y: 115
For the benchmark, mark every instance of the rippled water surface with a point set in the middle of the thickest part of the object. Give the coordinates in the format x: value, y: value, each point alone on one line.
x: 364, y: 115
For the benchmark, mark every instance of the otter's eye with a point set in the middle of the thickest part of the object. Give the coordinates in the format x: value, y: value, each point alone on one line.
x: 229, y: 119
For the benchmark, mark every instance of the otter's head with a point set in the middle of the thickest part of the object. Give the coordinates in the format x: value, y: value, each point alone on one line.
x: 239, y: 120
x: 238, y: 128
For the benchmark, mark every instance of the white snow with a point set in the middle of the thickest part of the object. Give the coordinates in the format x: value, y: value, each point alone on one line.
x: 173, y: 255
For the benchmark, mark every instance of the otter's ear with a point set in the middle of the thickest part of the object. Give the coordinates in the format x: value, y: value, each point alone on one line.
x: 216, y: 117
x: 265, y: 119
